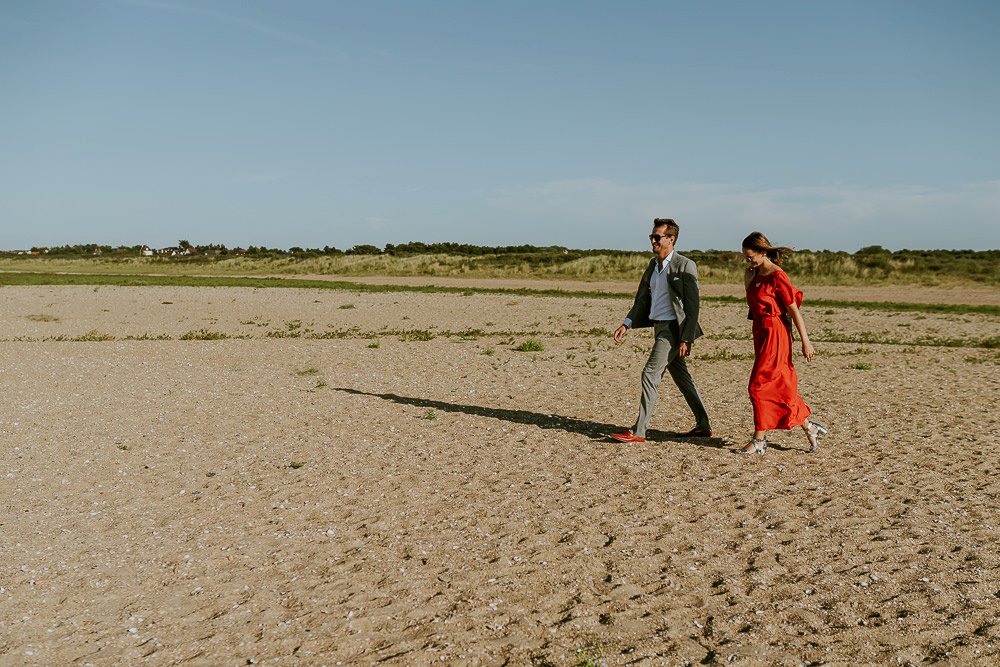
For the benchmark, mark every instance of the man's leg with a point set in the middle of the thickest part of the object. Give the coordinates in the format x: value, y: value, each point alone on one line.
x: 682, y: 378
x: 664, y: 350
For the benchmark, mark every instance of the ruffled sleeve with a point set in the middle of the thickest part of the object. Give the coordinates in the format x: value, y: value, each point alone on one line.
x: 784, y: 292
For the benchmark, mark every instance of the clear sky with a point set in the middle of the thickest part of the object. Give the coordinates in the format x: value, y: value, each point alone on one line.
x: 317, y: 122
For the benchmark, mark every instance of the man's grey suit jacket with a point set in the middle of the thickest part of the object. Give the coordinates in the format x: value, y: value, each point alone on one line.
x: 684, y: 296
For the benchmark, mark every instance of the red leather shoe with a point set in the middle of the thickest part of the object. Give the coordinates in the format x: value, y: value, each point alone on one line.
x: 627, y: 436
x: 698, y: 432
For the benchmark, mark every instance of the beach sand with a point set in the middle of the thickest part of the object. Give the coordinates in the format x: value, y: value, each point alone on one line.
x: 354, y: 478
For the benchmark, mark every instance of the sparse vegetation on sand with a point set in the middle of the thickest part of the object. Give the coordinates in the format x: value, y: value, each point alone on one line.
x: 300, y: 283
x: 447, y: 478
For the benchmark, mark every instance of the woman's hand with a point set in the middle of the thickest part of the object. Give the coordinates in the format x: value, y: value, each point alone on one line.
x: 808, y: 351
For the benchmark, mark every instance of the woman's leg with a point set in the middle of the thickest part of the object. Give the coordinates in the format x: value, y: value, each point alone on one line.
x: 758, y: 443
x: 813, y: 433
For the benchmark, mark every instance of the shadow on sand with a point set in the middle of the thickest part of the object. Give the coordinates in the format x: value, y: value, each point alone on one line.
x: 590, y: 429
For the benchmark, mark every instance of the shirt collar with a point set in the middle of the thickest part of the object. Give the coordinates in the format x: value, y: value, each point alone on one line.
x: 666, y: 260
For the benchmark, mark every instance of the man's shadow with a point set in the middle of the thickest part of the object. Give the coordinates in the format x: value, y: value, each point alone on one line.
x: 590, y: 429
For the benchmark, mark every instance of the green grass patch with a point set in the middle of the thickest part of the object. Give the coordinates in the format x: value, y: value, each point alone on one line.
x: 470, y: 334
x: 148, y: 336
x: 827, y: 336
x: 416, y: 334
x: 92, y: 336
x: 725, y: 354
x: 530, y: 345
x: 205, y: 334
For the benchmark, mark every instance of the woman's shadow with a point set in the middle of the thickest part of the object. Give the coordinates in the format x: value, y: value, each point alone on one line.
x: 590, y: 429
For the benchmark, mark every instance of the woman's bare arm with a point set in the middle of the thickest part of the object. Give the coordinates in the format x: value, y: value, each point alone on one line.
x: 807, y: 349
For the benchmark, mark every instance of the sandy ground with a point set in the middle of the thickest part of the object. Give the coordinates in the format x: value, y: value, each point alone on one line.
x: 333, y: 485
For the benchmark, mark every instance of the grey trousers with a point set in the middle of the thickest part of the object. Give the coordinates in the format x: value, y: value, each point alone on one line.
x: 663, y: 357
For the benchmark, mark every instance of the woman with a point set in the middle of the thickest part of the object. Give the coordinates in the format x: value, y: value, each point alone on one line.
x: 774, y: 386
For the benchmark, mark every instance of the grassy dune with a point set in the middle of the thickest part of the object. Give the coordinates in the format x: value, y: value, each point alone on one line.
x: 866, y: 267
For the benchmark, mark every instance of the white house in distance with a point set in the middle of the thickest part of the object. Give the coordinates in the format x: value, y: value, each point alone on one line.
x: 175, y: 252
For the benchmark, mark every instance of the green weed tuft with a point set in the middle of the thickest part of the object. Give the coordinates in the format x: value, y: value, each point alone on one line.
x: 416, y: 334
x: 92, y: 336
x: 148, y: 336
x: 530, y: 345
x: 204, y: 334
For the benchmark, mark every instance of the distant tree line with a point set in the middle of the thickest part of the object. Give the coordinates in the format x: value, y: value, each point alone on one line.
x: 400, y: 250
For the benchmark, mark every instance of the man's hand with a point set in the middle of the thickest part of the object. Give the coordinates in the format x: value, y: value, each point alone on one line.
x: 684, y: 349
x: 620, y: 333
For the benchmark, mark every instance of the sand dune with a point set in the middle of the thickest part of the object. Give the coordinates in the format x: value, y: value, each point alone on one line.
x: 357, y: 478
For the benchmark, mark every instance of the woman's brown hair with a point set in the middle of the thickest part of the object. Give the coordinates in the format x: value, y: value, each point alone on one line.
x: 759, y: 243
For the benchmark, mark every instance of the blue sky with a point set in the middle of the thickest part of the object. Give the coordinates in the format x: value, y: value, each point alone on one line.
x: 314, y: 122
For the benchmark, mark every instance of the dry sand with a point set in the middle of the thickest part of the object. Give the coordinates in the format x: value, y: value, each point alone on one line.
x: 285, y: 498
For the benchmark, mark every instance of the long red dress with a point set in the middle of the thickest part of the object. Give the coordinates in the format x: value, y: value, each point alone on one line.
x: 774, y: 385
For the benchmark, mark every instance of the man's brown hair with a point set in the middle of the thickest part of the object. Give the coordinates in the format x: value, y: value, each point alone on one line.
x: 673, y: 229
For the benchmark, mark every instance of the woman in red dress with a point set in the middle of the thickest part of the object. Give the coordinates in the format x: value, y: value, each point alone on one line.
x: 774, y: 385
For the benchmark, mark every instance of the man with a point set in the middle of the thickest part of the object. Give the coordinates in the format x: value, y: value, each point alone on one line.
x: 667, y: 300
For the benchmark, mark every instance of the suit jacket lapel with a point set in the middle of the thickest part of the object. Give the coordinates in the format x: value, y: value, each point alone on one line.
x: 647, y: 276
x: 675, y: 272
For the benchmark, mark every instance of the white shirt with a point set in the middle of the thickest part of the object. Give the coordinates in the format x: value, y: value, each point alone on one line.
x: 662, y: 308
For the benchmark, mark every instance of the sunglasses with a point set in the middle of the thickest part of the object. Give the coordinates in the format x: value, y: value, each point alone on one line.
x: 657, y: 237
